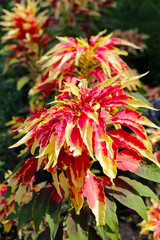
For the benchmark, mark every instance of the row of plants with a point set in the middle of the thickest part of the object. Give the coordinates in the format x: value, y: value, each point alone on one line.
x: 81, y: 118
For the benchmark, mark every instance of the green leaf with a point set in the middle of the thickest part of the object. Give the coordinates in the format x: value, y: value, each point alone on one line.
x: 111, y: 216
x: 102, y: 231
x: 76, y: 226
x: 105, y: 231
x: 53, y: 217
x: 127, y: 195
x: 140, y: 97
x: 40, y: 205
x: 16, y: 208
x: 143, y: 190
x: 8, y: 192
x: 148, y: 170
x: 22, y: 82
x: 13, y: 61
x: 12, y: 215
x: 111, y: 229
x: 113, y: 236
x: 25, y: 213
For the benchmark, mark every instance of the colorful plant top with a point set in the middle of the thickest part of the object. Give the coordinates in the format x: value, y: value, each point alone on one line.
x: 136, y: 84
x: 23, y: 22
x: 152, y: 93
x: 25, y: 27
x: 153, y: 224
x: 94, y: 60
x: 15, y: 123
x: 72, y: 8
x: 7, y: 204
x: 85, y: 126
x: 131, y: 36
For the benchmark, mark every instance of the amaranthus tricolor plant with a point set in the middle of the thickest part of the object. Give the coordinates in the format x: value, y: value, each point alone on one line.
x: 91, y: 135
x: 85, y: 128
x: 133, y: 36
x: 74, y: 59
x: 25, y: 37
x: 71, y: 15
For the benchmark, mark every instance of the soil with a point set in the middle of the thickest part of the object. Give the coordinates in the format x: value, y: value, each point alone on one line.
x: 129, y: 231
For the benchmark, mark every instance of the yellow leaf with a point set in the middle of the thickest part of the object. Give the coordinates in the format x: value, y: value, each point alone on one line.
x: 34, y: 146
x: 56, y: 182
x: 136, y: 103
x: 108, y: 82
x: 78, y: 55
x: 69, y: 127
x: 99, y: 212
x: 7, y: 225
x: 107, y: 163
x: 149, y: 155
x: 64, y: 184
x: 127, y: 81
x: 86, y: 135
x: 93, y: 115
x: 77, y: 198
x: 52, y: 153
x: 65, y: 59
x: 96, y: 107
x: 20, y: 192
x: 51, y: 61
x: 13, y: 183
x: 63, y: 39
x: 22, y: 140
x: 109, y: 168
x: 74, y: 90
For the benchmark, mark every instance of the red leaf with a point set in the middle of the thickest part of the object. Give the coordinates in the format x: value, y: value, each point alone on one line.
x: 93, y: 189
x: 55, y: 196
x: 60, y: 129
x: 126, y: 139
x: 128, y: 160
x: 77, y: 169
x: 26, y: 172
x: 131, y: 119
x: 76, y: 142
x: 94, y: 192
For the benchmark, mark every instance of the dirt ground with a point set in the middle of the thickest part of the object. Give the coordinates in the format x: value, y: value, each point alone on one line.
x: 129, y: 231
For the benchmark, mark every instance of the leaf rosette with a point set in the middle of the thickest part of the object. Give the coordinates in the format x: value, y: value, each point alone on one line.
x: 84, y: 126
x: 95, y: 59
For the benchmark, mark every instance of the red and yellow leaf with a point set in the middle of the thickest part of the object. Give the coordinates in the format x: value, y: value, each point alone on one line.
x: 125, y: 139
x: 93, y: 191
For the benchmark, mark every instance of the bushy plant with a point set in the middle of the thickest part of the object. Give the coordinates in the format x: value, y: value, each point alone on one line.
x: 83, y: 148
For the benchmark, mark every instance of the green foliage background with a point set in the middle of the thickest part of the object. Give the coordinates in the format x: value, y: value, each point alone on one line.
x: 11, y: 104
x: 143, y: 15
